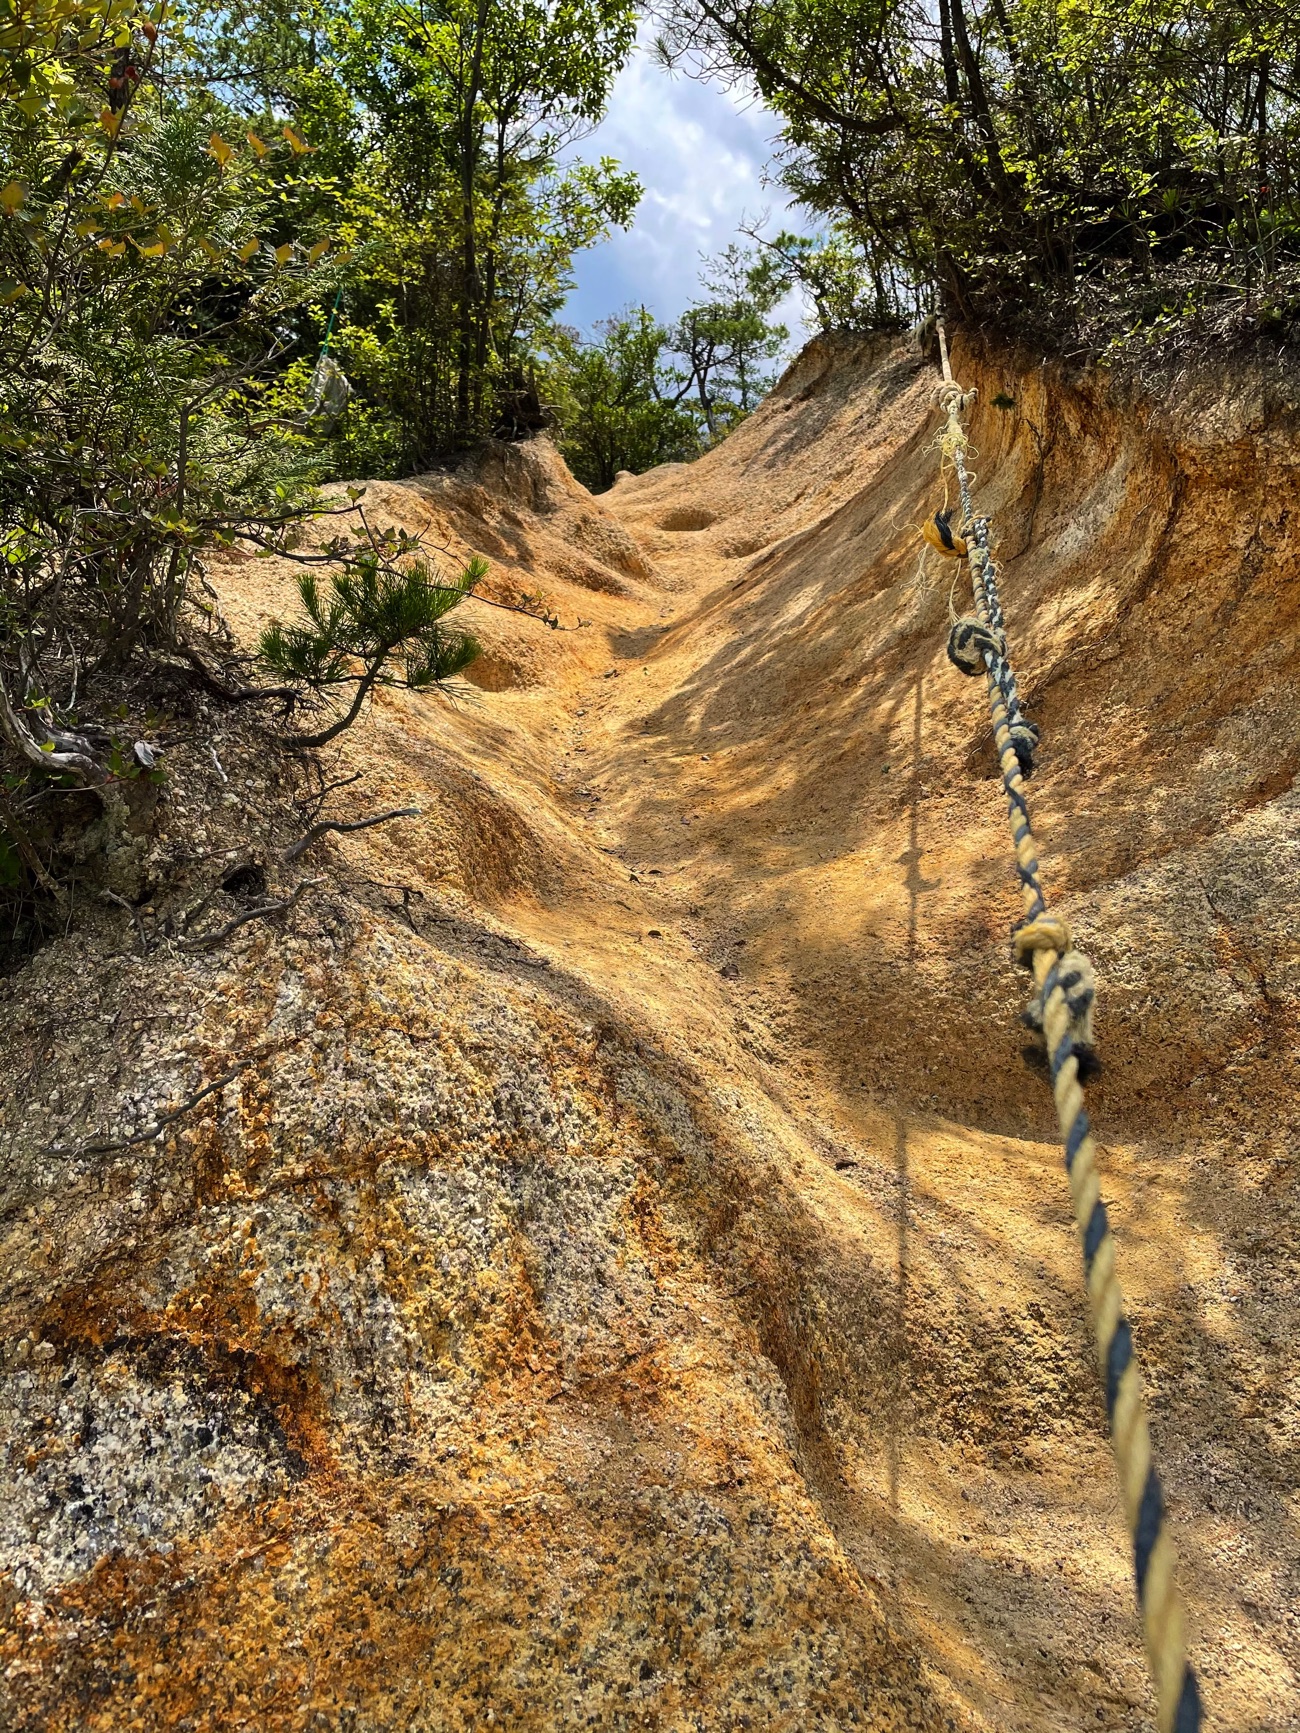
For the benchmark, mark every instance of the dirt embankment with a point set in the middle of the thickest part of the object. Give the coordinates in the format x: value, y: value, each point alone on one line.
x: 626, y: 1278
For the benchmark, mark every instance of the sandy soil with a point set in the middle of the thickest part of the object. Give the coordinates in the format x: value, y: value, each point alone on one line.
x: 635, y: 1284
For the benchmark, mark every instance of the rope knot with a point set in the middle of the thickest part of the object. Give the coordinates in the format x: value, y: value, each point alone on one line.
x: 938, y: 531
x: 1045, y: 932
x: 951, y: 399
x: 969, y: 640
x: 1024, y: 737
x: 1075, y: 977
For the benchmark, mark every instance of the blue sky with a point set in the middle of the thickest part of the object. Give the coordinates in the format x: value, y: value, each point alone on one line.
x: 700, y: 153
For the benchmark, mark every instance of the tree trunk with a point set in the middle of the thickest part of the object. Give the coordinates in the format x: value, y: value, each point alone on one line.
x: 951, y: 82
x: 469, y: 291
x: 304, y: 742
x: 978, y: 95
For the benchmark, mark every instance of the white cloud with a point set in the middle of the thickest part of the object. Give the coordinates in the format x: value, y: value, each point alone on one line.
x: 700, y: 153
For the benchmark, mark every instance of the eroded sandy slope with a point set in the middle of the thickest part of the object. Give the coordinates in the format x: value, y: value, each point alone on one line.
x: 631, y: 1281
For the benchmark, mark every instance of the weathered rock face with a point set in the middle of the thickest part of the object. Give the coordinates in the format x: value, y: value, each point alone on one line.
x: 623, y: 1275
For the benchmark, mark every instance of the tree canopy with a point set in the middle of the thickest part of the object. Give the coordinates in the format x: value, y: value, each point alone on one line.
x: 1068, y: 167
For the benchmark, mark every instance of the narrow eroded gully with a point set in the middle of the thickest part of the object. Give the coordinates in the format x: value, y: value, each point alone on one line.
x: 631, y: 1282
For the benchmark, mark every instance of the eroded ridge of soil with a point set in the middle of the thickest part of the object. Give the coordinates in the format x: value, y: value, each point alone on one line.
x: 629, y: 1279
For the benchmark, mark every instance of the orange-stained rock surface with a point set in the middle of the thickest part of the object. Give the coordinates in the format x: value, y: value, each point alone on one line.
x: 624, y: 1276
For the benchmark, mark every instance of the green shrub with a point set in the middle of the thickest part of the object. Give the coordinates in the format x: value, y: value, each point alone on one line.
x: 353, y: 635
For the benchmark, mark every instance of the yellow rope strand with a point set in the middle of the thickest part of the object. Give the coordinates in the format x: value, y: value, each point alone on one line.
x: 1043, y: 942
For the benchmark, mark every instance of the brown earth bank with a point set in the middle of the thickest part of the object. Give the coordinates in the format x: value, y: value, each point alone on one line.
x: 623, y: 1275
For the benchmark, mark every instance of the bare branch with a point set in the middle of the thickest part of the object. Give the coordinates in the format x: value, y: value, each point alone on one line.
x: 10, y: 821
x: 71, y: 752
x: 319, y: 830
x: 150, y: 1132
x: 112, y: 897
x: 342, y: 782
x: 201, y: 907
x: 232, y: 694
x: 308, y: 742
x: 408, y: 891
x: 316, y: 802
x: 209, y: 941
x: 540, y: 614
x: 166, y: 1119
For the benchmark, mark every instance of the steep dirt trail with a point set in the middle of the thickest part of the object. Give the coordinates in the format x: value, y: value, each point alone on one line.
x: 636, y: 1287
x: 816, y: 907
x: 803, y: 787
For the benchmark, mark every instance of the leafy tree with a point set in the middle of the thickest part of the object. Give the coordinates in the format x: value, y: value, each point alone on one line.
x: 1072, y: 166
x: 618, y: 405
x: 440, y: 128
x: 645, y: 393
x: 725, y: 340
x: 828, y: 270
x: 451, y: 191
x: 146, y: 276
x: 147, y: 270
x: 372, y: 611
x: 400, y: 334
x: 144, y: 304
